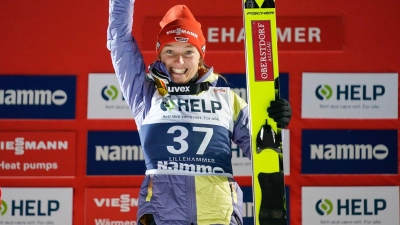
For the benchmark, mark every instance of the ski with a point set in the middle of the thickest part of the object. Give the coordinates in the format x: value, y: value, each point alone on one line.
x: 262, y: 77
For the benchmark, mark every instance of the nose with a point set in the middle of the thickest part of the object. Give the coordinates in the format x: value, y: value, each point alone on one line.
x: 179, y: 59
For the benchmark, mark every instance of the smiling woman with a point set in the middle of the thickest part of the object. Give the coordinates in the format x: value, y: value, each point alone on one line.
x: 186, y: 124
x: 181, y: 60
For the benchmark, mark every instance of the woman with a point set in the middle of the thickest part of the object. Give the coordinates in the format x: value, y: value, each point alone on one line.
x: 185, y: 123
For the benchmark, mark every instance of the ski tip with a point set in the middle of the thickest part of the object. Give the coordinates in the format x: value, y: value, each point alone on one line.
x: 268, y: 4
x: 252, y: 4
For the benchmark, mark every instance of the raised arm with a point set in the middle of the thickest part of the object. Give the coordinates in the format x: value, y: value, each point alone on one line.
x: 126, y: 58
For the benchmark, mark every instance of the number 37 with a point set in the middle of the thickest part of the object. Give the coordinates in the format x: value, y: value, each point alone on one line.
x: 184, y: 145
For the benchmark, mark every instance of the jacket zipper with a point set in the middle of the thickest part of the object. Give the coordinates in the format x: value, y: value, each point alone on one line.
x: 191, y: 199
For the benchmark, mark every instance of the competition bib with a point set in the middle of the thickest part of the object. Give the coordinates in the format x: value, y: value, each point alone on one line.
x: 192, y: 138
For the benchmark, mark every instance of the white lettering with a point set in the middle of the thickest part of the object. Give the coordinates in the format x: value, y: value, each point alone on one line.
x: 32, y: 97
x: 230, y: 34
x: 212, y: 35
x: 349, y: 151
x: 314, y: 33
x: 299, y: 34
x: 119, y: 153
x: 19, y: 145
x: 114, y: 222
x: 124, y: 202
x: 179, y: 89
x: 165, y: 165
x: 284, y: 35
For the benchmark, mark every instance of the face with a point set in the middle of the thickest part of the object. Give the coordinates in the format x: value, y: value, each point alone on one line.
x: 182, y: 61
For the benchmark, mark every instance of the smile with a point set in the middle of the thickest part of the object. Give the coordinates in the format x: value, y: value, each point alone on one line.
x: 180, y: 71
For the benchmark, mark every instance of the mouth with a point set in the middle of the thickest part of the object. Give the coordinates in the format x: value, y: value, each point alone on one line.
x: 178, y: 71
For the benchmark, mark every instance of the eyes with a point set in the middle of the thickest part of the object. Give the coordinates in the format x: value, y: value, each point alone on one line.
x: 180, y: 51
x: 187, y: 53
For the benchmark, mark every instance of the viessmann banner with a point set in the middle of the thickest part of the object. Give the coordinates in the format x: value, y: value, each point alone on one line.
x: 37, y: 153
x: 111, y: 206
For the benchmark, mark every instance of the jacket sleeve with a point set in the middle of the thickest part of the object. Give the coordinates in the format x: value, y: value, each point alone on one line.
x: 127, y: 59
x: 241, y: 135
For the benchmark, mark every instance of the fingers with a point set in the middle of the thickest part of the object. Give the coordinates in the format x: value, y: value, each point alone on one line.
x: 279, y: 109
x: 279, y: 114
x: 279, y: 102
x: 283, y: 121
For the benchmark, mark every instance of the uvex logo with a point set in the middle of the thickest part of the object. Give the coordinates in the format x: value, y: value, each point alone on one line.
x: 179, y: 89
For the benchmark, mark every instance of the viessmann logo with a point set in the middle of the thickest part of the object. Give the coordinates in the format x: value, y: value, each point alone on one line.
x: 125, y: 202
x: 180, y: 31
x: 19, y: 145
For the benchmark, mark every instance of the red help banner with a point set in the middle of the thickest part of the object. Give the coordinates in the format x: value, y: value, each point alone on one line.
x: 37, y: 153
x: 111, y: 205
x: 322, y: 33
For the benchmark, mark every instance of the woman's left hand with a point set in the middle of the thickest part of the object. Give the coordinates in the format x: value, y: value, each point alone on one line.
x: 280, y: 111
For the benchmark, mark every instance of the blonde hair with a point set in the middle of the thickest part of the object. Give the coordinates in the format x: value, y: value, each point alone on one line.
x: 203, y: 69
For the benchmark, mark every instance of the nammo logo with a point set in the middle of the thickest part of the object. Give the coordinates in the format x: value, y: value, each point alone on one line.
x: 109, y: 93
x: 3, y: 208
x: 323, y: 92
x: 324, y: 207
